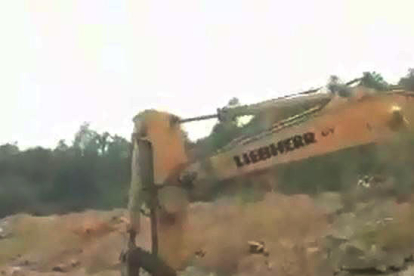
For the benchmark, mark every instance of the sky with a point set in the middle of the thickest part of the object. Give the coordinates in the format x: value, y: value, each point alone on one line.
x: 65, y: 62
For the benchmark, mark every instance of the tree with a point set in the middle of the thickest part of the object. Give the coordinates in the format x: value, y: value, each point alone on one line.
x: 92, y: 172
x: 61, y: 146
x: 75, y: 186
x: 103, y: 140
x: 374, y: 80
x: 233, y: 102
x: 86, y: 140
x: 407, y: 82
x: 118, y: 147
x: 36, y: 165
x: 336, y: 86
x: 8, y: 150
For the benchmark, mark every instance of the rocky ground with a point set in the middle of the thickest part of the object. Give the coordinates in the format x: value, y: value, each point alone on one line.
x: 282, y: 235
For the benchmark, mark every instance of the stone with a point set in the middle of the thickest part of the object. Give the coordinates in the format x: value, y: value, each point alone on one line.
x: 381, y: 268
x: 16, y: 271
x: 330, y: 202
x: 75, y: 263
x: 58, y: 268
x: 408, y: 272
x: 396, y: 261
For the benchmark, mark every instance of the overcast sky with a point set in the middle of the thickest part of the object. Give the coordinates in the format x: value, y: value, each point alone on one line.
x: 64, y: 62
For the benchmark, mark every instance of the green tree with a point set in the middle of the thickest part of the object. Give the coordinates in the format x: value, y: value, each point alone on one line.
x: 233, y: 102
x: 92, y: 172
x: 374, y: 80
x: 407, y: 82
x: 86, y: 140
x: 103, y: 140
x: 74, y: 186
x: 8, y: 150
x: 336, y: 86
x: 61, y: 146
x: 118, y: 147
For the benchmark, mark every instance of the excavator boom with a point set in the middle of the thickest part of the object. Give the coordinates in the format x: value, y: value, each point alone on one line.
x: 324, y: 129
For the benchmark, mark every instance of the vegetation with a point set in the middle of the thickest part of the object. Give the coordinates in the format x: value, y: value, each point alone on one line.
x: 93, y: 172
x: 375, y: 81
x: 408, y: 81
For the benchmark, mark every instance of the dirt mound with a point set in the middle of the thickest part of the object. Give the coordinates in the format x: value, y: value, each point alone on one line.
x: 289, y: 226
x: 90, y: 242
x: 63, y: 243
x: 279, y: 235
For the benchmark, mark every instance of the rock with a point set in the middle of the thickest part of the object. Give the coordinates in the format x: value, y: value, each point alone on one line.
x: 258, y: 247
x: 343, y: 273
x: 408, y: 272
x: 344, y: 226
x: 110, y: 273
x: 354, y: 249
x: 200, y: 253
x: 324, y: 268
x: 5, y: 228
x: 381, y: 268
x: 353, y: 256
x: 330, y: 202
x: 75, y: 263
x: 312, y: 250
x: 356, y: 256
x: 332, y: 242
x: 269, y: 265
x: 396, y: 261
x: 16, y: 271
x: 409, y: 257
x: 58, y: 268
x: 192, y: 270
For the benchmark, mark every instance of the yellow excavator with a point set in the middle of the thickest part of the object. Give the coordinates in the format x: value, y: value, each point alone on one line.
x: 165, y: 177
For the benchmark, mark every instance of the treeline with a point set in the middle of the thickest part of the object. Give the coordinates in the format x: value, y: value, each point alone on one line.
x: 91, y: 172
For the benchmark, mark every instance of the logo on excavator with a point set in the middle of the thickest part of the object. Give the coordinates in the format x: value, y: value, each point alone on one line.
x: 274, y: 149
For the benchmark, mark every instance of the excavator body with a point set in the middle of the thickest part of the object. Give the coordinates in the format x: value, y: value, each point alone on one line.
x: 331, y: 123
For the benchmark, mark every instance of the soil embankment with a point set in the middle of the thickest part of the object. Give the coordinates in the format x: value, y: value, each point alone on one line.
x: 279, y: 235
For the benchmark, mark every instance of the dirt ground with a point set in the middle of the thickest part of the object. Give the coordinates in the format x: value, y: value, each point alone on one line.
x: 279, y: 235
